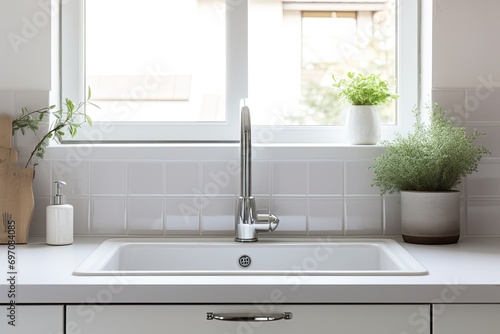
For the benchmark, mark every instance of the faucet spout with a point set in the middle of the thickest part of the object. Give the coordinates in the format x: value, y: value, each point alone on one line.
x: 246, y: 153
x: 247, y: 221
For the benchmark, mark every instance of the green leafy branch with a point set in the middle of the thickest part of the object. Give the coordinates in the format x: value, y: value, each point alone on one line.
x: 69, y: 119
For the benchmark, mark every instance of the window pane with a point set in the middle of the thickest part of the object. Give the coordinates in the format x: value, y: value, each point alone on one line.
x: 156, y: 60
x: 294, y: 51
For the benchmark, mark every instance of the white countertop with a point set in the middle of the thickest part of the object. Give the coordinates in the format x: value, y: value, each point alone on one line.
x: 467, y: 272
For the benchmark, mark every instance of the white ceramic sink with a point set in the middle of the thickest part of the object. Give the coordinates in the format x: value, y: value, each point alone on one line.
x: 151, y: 256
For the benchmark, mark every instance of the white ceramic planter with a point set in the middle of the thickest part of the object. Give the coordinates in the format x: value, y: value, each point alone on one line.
x: 430, y: 217
x: 363, y: 125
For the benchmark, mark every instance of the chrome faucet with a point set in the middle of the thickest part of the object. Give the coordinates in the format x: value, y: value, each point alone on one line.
x: 247, y: 220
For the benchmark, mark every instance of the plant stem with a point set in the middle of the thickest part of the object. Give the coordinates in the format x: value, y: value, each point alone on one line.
x: 42, y: 142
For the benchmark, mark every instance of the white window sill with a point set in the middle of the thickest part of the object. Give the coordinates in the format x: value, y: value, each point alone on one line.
x: 204, y: 152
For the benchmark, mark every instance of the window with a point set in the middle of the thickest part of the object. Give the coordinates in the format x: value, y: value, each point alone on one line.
x: 161, y: 61
x: 176, y: 70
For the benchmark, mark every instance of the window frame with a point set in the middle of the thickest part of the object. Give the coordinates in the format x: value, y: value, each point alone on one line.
x: 74, y: 87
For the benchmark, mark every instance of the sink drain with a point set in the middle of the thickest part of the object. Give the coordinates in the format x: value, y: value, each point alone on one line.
x: 245, y: 261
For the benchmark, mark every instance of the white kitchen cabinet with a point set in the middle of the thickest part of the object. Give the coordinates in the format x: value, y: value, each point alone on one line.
x: 466, y: 318
x: 31, y: 319
x: 189, y: 319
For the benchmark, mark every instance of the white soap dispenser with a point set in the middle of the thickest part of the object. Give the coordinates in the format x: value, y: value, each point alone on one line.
x: 59, y: 219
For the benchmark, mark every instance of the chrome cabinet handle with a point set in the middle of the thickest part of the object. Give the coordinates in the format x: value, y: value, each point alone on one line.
x: 245, y: 317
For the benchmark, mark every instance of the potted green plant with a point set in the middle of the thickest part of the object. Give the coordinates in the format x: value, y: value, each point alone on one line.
x: 16, y: 200
x: 364, y: 93
x: 426, y: 166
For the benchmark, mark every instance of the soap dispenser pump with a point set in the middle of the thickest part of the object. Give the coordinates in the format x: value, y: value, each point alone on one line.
x: 59, y: 218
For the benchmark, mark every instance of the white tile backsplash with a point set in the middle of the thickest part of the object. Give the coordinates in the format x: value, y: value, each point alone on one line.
x: 146, y: 178
x: 392, y: 215
x: 483, y: 217
x: 38, y: 225
x: 217, y: 215
x: 364, y: 216
x: 486, y: 182
x: 263, y: 203
x: 108, y: 178
x: 77, y: 178
x: 108, y: 215
x: 261, y: 176
x: 43, y: 182
x: 113, y: 201
x: 326, y: 178
x: 491, y: 139
x: 182, y: 215
x: 145, y: 215
x: 289, y: 178
x: 291, y: 212
x: 326, y: 216
x: 81, y: 208
x: 220, y: 178
x: 182, y: 178
x: 359, y: 178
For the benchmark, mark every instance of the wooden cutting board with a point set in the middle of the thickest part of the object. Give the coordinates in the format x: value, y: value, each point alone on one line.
x: 16, y: 190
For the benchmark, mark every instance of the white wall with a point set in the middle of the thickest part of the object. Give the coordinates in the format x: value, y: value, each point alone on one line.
x: 312, y: 195
x: 25, y: 44
x: 466, y: 46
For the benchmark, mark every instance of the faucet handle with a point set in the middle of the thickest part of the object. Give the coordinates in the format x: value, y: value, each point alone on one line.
x: 272, y: 220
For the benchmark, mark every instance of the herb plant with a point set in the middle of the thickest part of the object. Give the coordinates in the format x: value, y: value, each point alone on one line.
x: 359, y: 89
x: 64, y: 120
x: 434, y: 157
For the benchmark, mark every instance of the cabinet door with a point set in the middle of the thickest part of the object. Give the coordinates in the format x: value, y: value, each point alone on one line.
x: 189, y: 319
x: 47, y: 319
x: 466, y: 318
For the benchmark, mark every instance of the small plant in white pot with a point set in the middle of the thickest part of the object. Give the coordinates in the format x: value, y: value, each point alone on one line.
x: 426, y: 166
x: 364, y: 93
